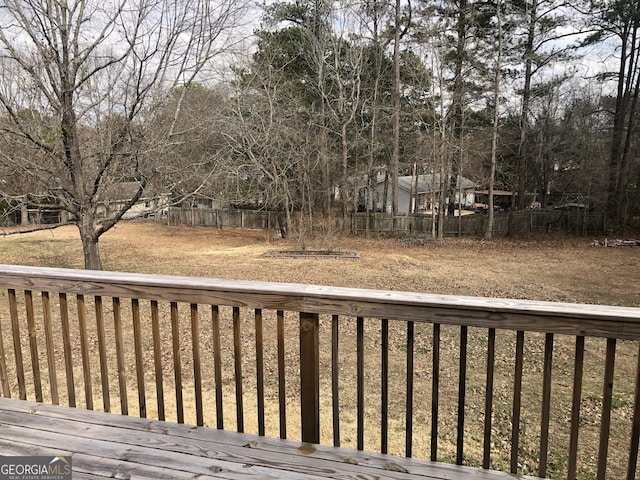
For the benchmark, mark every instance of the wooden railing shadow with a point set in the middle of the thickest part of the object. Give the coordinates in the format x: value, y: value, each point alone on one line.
x: 437, y: 377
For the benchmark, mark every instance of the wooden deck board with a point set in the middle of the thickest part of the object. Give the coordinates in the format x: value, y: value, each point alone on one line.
x: 107, y: 445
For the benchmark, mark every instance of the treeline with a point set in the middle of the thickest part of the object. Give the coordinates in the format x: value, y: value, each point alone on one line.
x: 316, y: 106
x: 338, y: 97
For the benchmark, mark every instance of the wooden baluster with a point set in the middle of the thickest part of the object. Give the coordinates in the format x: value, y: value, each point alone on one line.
x: 237, y: 357
x: 66, y: 342
x: 137, y: 342
x: 4, y: 374
x: 488, y: 402
x: 157, y: 358
x: 177, y: 364
x: 197, y: 370
x: 217, y: 364
x: 335, y: 380
x: 84, y: 348
x: 51, y: 353
x: 384, y: 388
x: 409, y: 412
x: 632, y: 465
x: 259, y: 370
x: 102, y: 352
x: 282, y: 393
x: 575, y: 408
x: 435, y: 382
x: 360, y: 382
x: 17, y: 347
x: 607, y: 394
x: 33, y: 345
x: 546, y: 405
x: 310, y: 377
x: 122, y: 372
x: 517, y: 402
x: 462, y: 389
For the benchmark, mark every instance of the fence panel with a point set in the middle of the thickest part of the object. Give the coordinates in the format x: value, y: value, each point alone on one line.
x: 473, y: 225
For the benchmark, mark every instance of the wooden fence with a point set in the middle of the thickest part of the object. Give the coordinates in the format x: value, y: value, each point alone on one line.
x: 579, y: 223
x: 208, y: 217
x: 474, y: 225
x: 431, y: 376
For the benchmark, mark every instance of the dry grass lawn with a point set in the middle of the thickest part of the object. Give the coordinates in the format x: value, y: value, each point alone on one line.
x: 557, y: 269
x: 554, y: 269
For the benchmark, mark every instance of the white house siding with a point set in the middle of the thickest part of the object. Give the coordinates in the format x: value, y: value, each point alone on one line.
x: 424, y: 196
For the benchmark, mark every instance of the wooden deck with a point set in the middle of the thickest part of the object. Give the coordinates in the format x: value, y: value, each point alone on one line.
x: 113, y: 446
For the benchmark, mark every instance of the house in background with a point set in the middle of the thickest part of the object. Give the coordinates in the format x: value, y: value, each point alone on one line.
x: 502, y: 199
x: 38, y: 211
x: 415, y: 194
x: 117, y: 195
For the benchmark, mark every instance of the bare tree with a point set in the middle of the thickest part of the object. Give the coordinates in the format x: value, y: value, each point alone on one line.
x: 619, y: 21
x: 496, y: 118
x: 98, y: 71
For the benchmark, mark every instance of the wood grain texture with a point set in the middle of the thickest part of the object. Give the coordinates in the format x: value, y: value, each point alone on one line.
x: 137, y: 342
x: 112, y: 446
x: 102, y: 352
x: 237, y: 369
x: 51, y: 357
x: 177, y: 364
x: 282, y: 393
x: 197, y: 367
x: 157, y: 358
x: 310, y: 377
x: 122, y: 372
x: 560, y: 318
x: 17, y: 346
x: 217, y: 361
x: 488, y: 399
x: 260, y: 370
x: 578, y: 371
x: 33, y: 345
x: 384, y: 386
x: 546, y: 404
x: 309, y: 302
x: 84, y: 348
x: 66, y: 342
x: 632, y: 464
x: 4, y: 377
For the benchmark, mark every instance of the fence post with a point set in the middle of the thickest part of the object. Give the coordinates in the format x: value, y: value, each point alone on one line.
x: 310, y: 377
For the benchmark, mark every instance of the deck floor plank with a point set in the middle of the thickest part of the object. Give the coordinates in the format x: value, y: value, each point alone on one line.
x: 108, y: 445
x: 91, y: 466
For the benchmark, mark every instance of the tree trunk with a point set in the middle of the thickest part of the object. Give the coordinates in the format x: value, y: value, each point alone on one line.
x: 441, y: 201
x: 614, y: 201
x: 344, y: 193
x: 395, y: 160
x: 457, y: 99
x: 496, y: 122
x: 372, y: 180
x: 24, y: 212
x: 90, y: 246
x: 521, y: 170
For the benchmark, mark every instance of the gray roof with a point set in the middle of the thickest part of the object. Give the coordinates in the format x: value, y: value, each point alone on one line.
x: 429, y: 182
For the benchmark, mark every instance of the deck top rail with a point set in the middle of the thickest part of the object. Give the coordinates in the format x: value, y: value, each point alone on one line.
x: 536, y: 316
x: 445, y: 376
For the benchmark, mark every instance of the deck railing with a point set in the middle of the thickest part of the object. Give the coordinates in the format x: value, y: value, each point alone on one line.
x: 521, y: 386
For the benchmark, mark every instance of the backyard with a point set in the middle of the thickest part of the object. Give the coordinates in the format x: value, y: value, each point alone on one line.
x: 560, y: 269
